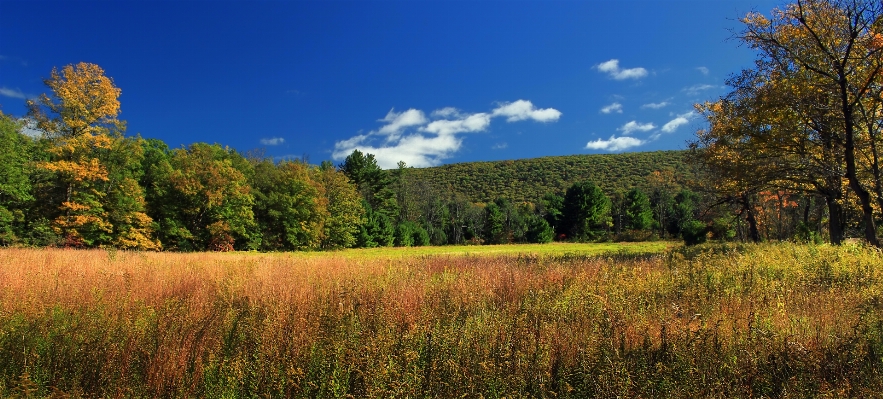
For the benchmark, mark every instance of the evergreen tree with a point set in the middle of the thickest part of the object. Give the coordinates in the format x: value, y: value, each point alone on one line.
x: 377, y: 231
x: 637, y: 212
x: 586, y: 211
x: 552, y: 208
x: 373, y: 182
x: 494, y: 228
x: 539, y: 230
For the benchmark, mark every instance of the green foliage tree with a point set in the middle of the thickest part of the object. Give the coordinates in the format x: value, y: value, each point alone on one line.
x: 538, y: 230
x: 638, y: 214
x: 405, y: 234
x: 494, y: 224
x: 345, y: 213
x: 207, y: 201
x: 694, y: 232
x: 421, y: 237
x: 586, y: 211
x: 410, y: 234
x: 685, y: 210
x: 552, y: 209
x: 377, y: 230
x: 15, y: 183
x: 290, y: 208
x: 132, y: 227
x: 373, y: 183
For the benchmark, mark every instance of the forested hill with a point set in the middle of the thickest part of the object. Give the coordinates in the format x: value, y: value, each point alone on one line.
x: 530, y: 179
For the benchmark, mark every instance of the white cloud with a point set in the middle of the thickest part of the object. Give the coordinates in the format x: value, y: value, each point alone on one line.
x: 272, y: 141
x: 446, y: 112
x: 470, y: 123
x: 397, y: 122
x: 612, y: 68
x: 500, y: 146
x: 696, y: 89
x: 634, y: 126
x: 614, y: 143
x: 655, y: 105
x: 420, y: 142
x: 615, y: 107
x: 415, y: 150
x: 523, y: 109
x: 14, y: 93
x: 677, y: 122
x: 703, y: 70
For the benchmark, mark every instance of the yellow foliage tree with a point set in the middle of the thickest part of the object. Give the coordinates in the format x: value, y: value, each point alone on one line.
x: 836, y: 45
x: 83, y: 101
x: 100, y: 202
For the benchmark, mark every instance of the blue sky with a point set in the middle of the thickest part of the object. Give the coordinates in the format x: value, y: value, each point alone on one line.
x: 427, y: 82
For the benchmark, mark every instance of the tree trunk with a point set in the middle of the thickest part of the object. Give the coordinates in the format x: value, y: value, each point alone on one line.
x: 835, y: 220
x: 863, y: 195
x: 753, y: 233
x: 875, y: 168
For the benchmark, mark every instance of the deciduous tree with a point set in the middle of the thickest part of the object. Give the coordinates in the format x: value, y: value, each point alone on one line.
x: 837, y: 42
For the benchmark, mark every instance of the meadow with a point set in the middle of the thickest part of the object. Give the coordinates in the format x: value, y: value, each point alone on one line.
x: 597, y: 320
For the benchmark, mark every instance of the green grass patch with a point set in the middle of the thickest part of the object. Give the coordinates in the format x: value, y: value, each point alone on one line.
x: 549, y: 249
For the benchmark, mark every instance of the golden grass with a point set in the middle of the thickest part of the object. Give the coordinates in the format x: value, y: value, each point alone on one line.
x: 738, y: 321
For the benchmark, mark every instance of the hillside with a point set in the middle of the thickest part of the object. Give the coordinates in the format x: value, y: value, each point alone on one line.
x: 529, y: 179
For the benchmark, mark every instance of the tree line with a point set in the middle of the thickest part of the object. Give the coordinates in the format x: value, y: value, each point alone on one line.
x: 84, y: 183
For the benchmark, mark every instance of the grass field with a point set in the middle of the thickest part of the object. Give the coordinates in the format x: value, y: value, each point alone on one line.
x: 599, y: 320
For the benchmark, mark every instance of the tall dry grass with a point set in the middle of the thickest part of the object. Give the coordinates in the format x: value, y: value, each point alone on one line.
x: 733, y: 321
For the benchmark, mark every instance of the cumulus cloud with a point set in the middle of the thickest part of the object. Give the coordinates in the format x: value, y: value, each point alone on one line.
x: 614, y: 144
x: 612, y: 68
x: 13, y: 93
x: 500, y: 146
x: 677, y: 122
x: 522, y: 109
x: 615, y: 107
x: 397, y: 122
x: 446, y: 112
x: 419, y: 141
x: 655, y: 105
x: 272, y: 141
x: 703, y: 70
x: 415, y: 150
x: 469, y: 123
x: 634, y: 126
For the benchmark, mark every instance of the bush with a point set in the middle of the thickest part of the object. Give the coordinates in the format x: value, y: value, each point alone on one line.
x: 539, y: 230
x: 420, y: 237
x: 694, y: 232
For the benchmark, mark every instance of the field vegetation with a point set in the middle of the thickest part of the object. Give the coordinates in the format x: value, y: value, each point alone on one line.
x: 733, y: 320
